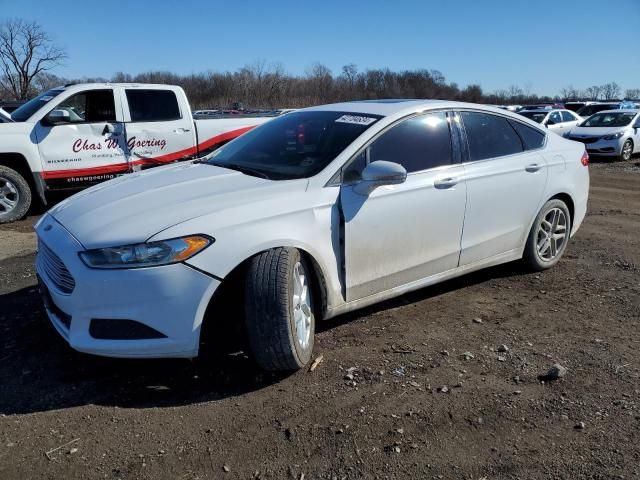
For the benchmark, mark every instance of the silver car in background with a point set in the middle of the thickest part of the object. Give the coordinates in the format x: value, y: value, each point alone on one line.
x: 614, y: 133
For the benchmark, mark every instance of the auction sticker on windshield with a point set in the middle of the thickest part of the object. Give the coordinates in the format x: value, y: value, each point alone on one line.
x: 356, y: 119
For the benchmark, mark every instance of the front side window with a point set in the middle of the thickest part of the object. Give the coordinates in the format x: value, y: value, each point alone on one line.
x: 295, y: 145
x: 418, y: 143
x: 153, y: 105
x: 92, y: 106
x: 554, y: 118
x: 489, y: 136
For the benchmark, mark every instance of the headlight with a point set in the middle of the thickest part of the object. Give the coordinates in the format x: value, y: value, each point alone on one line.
x: 150, y: 254
x: 613, y: 136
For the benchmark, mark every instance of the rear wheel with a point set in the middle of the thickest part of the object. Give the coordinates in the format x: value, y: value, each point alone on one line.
x: 627, y: 150
x: 548, y: 236
x: 279, y: 309
x: 15, y: 195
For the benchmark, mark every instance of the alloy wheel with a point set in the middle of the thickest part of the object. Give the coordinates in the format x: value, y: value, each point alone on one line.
x: 9, y: 196
x: 627, y: 149
x: 552, y: 234
x: 301, y: 301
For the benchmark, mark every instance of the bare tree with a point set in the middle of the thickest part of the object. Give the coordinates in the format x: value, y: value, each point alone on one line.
x: 26, y: 51
x: 632, y: 93
x: 593, y: 92
x: 610, y: 91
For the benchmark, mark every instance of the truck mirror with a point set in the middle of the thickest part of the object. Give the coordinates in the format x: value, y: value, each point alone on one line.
x: 57, y: 117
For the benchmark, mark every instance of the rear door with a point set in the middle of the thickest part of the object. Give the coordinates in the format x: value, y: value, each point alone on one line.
x: 86, y: 144
x: 506, y: 176
x: 554, y: 123
x: 159, y: 127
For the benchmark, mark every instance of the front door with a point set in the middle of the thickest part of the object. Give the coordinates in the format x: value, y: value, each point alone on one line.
x: 403, y: 233
x: 158, y: 130
x: 81, y: 141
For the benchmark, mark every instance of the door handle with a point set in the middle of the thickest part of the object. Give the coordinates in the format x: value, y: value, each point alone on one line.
x: 534, y: 167
x: 445, y: 182
x: 181, y: 130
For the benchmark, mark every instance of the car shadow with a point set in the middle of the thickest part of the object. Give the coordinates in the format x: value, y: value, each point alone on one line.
x: 39, y: 372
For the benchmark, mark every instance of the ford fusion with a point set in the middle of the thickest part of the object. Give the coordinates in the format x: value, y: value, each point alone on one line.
x: 308, y: 216
x: 611, y: 133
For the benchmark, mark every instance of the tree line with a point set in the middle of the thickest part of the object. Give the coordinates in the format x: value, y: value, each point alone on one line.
x: 27, y: 56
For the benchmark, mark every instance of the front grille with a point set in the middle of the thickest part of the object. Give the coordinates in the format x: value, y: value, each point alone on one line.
x: 53, y: 267
x: 585, y: 139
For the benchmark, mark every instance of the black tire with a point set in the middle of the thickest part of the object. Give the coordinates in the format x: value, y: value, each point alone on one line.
x: 532, y: 257
x: 627, y: 150
x: 269, y: 310
x: 15, y: 195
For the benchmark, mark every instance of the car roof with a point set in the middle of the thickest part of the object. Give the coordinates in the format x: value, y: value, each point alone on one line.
x: 621, y: 110
x: 388, y: 107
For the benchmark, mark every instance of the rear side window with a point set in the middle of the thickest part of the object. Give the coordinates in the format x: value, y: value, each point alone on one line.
x: 567, y: 117
x: 417, y: 144
x: 489, y: 136
x: 531, y: 137
x: 153, y: 105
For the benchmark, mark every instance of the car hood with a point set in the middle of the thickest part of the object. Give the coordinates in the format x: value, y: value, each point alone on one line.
x: 137, y: 206
x: 596, y: 131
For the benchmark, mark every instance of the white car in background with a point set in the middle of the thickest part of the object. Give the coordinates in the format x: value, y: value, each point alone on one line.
x: 610, y: 133
x: 313, y: 214
x: 558, y: 121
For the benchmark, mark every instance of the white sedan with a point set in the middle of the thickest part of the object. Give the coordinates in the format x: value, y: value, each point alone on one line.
x: 558, y: 121
x: 313, y: 214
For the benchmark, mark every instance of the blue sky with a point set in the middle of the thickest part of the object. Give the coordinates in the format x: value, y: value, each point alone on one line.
x: 543, y: 44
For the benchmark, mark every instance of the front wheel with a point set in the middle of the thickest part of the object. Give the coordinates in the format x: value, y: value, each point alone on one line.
x: 627, y: 150
x: 279, y: 309
x: 548, y: 237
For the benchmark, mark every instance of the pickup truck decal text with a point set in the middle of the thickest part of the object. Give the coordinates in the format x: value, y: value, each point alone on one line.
x: 84, y: 145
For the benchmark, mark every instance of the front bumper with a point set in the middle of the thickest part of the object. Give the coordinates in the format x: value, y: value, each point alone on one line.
x: 602, y: 147
x: 170, y: 300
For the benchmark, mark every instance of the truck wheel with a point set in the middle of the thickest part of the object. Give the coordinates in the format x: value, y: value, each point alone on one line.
x: 548, y: 236
x: 279, y: 309
x: 15, y: 195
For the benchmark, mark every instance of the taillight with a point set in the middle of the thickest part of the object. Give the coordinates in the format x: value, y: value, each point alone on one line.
x: 585, y: 159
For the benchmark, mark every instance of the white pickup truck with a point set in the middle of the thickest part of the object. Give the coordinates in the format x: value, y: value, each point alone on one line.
x: 74, y: 136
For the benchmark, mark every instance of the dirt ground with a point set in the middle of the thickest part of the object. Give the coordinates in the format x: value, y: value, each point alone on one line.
x: 394, y: 396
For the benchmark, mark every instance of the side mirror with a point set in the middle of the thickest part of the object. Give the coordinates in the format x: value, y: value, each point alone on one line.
x: 380, y: 173
x: 56, y: 117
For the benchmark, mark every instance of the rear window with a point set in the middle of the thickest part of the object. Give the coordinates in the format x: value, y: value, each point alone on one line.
x: 153, y: 105
x: 489, y: 136
x: 531, y: 138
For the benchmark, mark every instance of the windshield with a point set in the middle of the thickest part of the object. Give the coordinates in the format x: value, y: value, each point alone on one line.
x: 296, y: 145
x: 588, y: 110
x: 25, y: 112
x: 535, y: 116
x: 609, y: 119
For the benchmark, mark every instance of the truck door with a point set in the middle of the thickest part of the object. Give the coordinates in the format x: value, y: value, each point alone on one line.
x: 81, y: 140
x: 159, y: 128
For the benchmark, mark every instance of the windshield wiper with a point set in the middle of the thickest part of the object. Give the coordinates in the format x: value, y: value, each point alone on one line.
x: 241, y: 168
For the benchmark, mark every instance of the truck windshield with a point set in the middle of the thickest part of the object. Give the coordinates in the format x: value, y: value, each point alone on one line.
x: 296, y: 145
x: 609, y: 119
x: 25, y: 112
